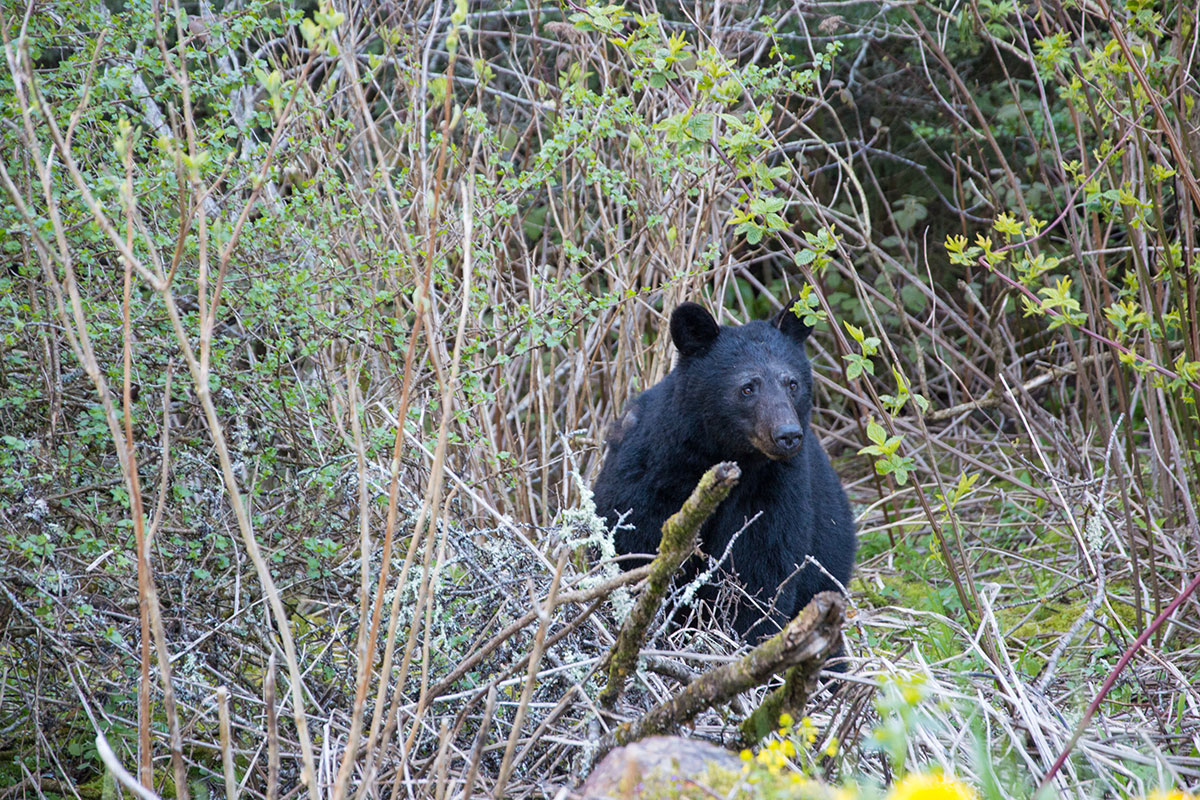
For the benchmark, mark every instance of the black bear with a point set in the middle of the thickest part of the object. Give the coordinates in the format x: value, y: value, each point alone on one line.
x: 744, y: 394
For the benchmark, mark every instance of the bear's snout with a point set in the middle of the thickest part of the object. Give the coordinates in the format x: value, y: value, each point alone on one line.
x: 778, y: 442
x: 788, y: 438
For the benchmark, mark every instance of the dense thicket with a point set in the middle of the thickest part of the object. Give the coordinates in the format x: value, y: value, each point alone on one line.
x: 242, y: 241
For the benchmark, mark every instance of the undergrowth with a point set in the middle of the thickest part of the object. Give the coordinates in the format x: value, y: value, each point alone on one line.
x: 312, y: 314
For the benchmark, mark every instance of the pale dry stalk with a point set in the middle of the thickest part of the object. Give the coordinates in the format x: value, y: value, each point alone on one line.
x: 226, y: 734
x: 545, y: 615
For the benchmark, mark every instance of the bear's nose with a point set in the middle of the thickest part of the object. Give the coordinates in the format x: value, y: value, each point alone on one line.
x: 787, y: 437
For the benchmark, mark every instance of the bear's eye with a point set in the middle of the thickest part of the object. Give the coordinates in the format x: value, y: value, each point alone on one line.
x: 748, y: 390
x: 793, y: 385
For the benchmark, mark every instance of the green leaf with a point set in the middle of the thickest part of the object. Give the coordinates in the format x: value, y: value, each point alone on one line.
x: 854, y: 331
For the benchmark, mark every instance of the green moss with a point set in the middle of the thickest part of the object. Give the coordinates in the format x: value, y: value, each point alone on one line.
x: 98, y: 788
x: 727, y: 783
x: 901, y: 590
x: 1055, y: 621
x: 717, y: 781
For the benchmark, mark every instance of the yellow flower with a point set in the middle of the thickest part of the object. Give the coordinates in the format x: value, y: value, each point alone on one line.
x: 922, y: 786
x: 1174, y: 794
x: 808, y: 731
x: 912, y: 690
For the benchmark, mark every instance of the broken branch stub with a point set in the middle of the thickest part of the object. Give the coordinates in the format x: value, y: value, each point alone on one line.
x: 679, y: 535
x: 799, y: 683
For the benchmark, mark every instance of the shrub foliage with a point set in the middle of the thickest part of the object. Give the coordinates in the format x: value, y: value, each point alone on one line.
x: 313, y: 317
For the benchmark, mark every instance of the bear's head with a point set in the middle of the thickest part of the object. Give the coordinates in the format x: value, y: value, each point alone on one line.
x: 749, y: 386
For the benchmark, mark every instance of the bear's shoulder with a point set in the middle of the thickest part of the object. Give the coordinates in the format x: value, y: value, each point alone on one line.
x: 626, y: 423
x: 641, y: 414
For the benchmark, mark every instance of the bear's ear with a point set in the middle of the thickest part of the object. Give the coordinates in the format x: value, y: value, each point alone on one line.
x: 693, y: 329
x: 789, y: 324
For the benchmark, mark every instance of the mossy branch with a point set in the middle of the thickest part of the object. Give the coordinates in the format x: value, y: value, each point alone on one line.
x: 805, y: 642
x: 679, y: 534
x: 799, y: 682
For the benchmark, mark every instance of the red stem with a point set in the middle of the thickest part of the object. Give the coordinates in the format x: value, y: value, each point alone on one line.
x: 1112, y: 677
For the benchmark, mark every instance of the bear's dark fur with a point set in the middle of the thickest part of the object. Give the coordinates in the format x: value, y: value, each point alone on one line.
x: 739, y: 394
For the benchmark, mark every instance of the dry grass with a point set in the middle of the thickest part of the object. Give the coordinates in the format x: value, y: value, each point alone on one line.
x: 354, y: 607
